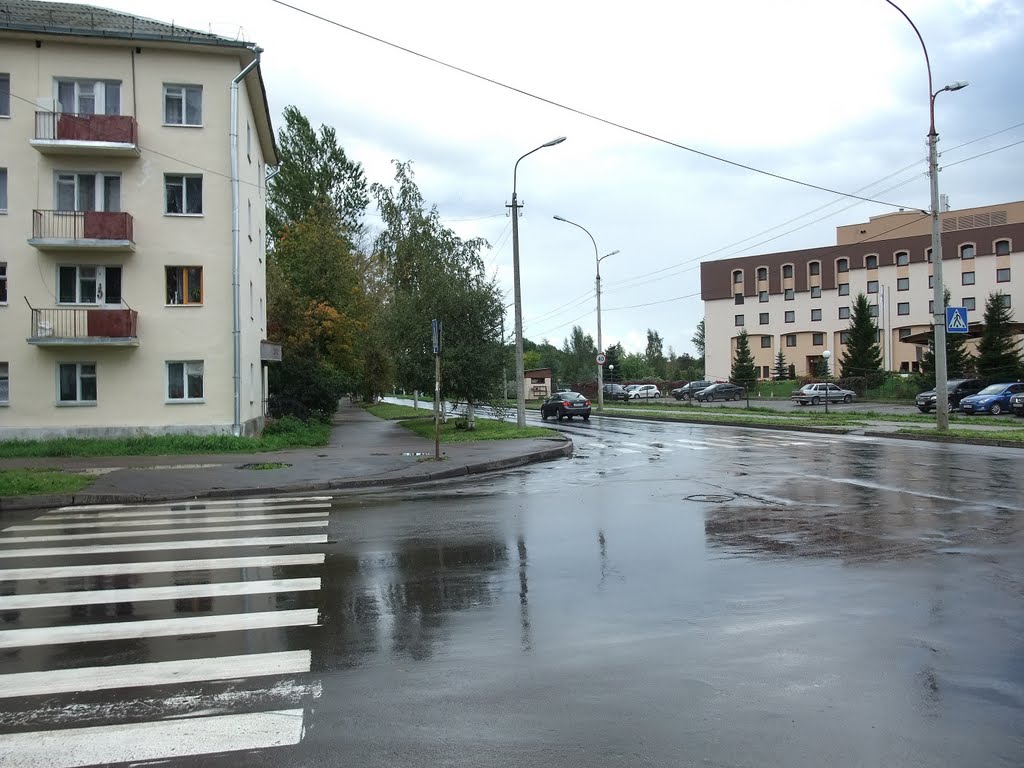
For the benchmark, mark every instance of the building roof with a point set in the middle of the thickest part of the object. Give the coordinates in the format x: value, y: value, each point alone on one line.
x: 91, y: 21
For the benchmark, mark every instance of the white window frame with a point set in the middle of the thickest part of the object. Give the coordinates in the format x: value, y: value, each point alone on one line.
x: 188, y: 368
x: 181, y: 180
x: 97, y: 90
x: 98, y: 279
x: 180, y: 92
x: 82, y: 374
x: 5, y: 383
x: 102, y: 201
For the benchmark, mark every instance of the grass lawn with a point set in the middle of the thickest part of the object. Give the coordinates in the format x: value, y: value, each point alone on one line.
x: 32, y: 482
x: 286, y: 433
x: 421, y: 422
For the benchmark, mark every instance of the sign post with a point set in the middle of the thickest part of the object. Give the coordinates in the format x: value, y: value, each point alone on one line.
x: 435, y: 332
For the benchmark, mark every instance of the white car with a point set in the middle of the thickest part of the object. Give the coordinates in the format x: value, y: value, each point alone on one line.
x: 644, y: 392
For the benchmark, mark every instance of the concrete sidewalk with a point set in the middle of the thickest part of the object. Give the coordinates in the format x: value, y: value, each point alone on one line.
x: 364, y: 452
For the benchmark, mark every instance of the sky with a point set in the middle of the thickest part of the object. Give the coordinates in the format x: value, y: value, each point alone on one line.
x: 832, y: 94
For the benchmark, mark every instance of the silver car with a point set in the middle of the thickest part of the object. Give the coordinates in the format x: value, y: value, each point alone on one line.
x: 816, y: 393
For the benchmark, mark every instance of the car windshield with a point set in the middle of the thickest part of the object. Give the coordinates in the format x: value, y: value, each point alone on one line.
x: 993, y: 389
x: 572, y: 396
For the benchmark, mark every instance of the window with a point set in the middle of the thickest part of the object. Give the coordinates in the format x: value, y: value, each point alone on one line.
x: 902, y: 283
x: 737, y: 276
x: 815, y: 291
x: 89, y: 97
x: 931, y: 307
x: 844, y: 289
x: 88, y: 285
x: 184, y: 285
x: 183, y: 194
x: 903, y: 308
x: 967, y: 251
x: 762, y: 318
x: 967, y: 278
x: 248, y: 142
x: 871, y: 261
x: 814, y: 268
x: 931, y: 281
x: 874, y: 310
x: 790, y: 294
x: 762, y: 273
x: 1003, y: 275
x: 844, y: 313
x: 904, y: 333
x: 737, y: 298
x: 766, y: 342
x: 902, y: 258
x: 76, y: 383
x: 1001, y: 247
x: 872, y: 286
x: 928, y: 254
x: 787, y: 270
x: 791, y: 316
x: 738, y: 319
x: 818, y: 339
x: 5, y: 95
x: 183, y: 105
x: 3, y: 282
x: 791, y: 340
x: 185, y: 380
x: 843, y: 265
x: 3, y: 190
x: 88, y: 192
x: 763, y: 297
x: 969, y: 303
x: 5, y: 384
x: 844, y: 337
x: 1004, y: 300
x: 815, y: 314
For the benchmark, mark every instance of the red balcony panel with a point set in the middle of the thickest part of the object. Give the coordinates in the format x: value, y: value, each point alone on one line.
x: 121, y: 129
x: 112, y: 323
x: 102, y: 225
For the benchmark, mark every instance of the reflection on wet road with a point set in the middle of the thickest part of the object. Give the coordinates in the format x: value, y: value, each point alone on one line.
x: 671, y: 595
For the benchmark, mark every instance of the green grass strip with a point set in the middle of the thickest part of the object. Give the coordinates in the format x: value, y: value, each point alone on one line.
x: 33, y: 482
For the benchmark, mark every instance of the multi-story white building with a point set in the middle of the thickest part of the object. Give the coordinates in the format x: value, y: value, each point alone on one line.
x: 133, y: 157
x: 800, y: 302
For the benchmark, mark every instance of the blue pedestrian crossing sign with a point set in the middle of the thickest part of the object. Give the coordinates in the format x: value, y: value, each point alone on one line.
x: 956, y: 319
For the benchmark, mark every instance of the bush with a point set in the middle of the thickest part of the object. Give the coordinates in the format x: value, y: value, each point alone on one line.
x: 285, y: 425
x: 305, y: 389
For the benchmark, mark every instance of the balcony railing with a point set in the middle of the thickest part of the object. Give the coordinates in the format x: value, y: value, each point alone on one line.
x: 96, y: 230
x: 84, y: 326
x: 68, y: 133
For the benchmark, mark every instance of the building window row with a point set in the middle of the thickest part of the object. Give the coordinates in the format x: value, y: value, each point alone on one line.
x: 94, y: 284
x: 77, y: 382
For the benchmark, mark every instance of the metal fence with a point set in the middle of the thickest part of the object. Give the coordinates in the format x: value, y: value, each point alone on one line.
x: 67, y: 126
x: 82, y: 225
x: 83, y: 323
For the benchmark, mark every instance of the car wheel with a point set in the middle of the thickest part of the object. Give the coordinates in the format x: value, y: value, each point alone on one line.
x: 543, y: 415
x: 561, y: 415
x: 815, y: 400
x: 847, y: 399
x: 925, y: 410
x: 736, y: 396
x: 586, y: 418
x: 996, y: 409
x: 952, y: 407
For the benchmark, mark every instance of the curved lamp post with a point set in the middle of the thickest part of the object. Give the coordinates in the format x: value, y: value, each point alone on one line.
x: 520, y: 384
x: 600, y: 348
x: 938, y: 295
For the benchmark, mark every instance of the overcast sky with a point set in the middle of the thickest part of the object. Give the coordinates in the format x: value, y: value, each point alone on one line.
x: 829, y: 93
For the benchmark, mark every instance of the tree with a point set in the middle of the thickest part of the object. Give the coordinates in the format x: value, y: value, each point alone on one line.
x: 862, y: 356
x: 578, y: 357
x: 698, y: 338
x: 314, y: 170
x: 821, y: 369
x: 744, y: 372
x: 959, y: 361
x: 999, y: 354
x: 654, y: 354
x: 635, y: 367
x: 781, y: 371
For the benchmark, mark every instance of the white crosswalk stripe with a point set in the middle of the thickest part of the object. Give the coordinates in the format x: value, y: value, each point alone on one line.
x: 175, y: 622
x: 703, y: 443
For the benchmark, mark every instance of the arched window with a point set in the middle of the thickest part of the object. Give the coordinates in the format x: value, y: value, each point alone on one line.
x: 762, y: 273
x: 967, y: 251
x: 737, y: 276
x: 902, y: 258
x: 814, y: 268
x: 787, y: 270
x: 871, y: 261
x: 843, y: 265
x: 1001, y: 247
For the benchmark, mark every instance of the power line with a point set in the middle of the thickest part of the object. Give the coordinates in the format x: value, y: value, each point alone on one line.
x: 581, y: 112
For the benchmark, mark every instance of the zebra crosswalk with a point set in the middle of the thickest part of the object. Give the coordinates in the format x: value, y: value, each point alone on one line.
x: 666, y: 445
x: 148, y: 633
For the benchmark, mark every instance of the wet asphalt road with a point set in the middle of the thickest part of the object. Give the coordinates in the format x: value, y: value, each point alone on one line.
x: 672, y: 595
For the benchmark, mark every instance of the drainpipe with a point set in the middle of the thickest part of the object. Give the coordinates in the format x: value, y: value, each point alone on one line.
x: 236, y: 428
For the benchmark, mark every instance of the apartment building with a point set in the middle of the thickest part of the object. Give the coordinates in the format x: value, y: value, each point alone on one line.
x: 800, y: 302
x: 133, y: 156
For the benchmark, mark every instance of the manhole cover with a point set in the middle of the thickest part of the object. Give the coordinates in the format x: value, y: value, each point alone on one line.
x: 265, y: 465
x: 709, y: 498
x: 413, y: 453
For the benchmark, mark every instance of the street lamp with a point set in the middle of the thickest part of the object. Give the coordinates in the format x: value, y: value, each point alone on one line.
x: 520, y: 385
x: 600, y: 348
x: 938, y: 295
x: 826, y: 355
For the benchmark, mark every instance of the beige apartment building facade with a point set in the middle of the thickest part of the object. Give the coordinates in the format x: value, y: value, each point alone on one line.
x: 133, y: 157
x: 800, y: 302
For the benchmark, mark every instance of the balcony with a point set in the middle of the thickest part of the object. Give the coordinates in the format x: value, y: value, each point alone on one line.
x: 83, y: 327
x: 64, y: 133
x: 82, y: 230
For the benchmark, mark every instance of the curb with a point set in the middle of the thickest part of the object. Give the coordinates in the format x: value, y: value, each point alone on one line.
x: 949, y: 439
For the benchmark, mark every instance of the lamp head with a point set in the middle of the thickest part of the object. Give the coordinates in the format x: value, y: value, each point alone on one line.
x: 956, y: 86
x: 559, y: 218
x: 560, y: 139
x: 826, y: 354
x: 610, y: 254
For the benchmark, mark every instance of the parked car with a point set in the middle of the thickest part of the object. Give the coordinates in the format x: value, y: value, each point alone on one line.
x: 994, y: 399
x: 615, y: 392
x: 645, y: 392
x: 565, y: 405
x: 817, y: 392
x: 631, y: 388
x: 689, y: 389
x: 724, y: 391
x: 1017, y: 405
x: 958, y: 389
